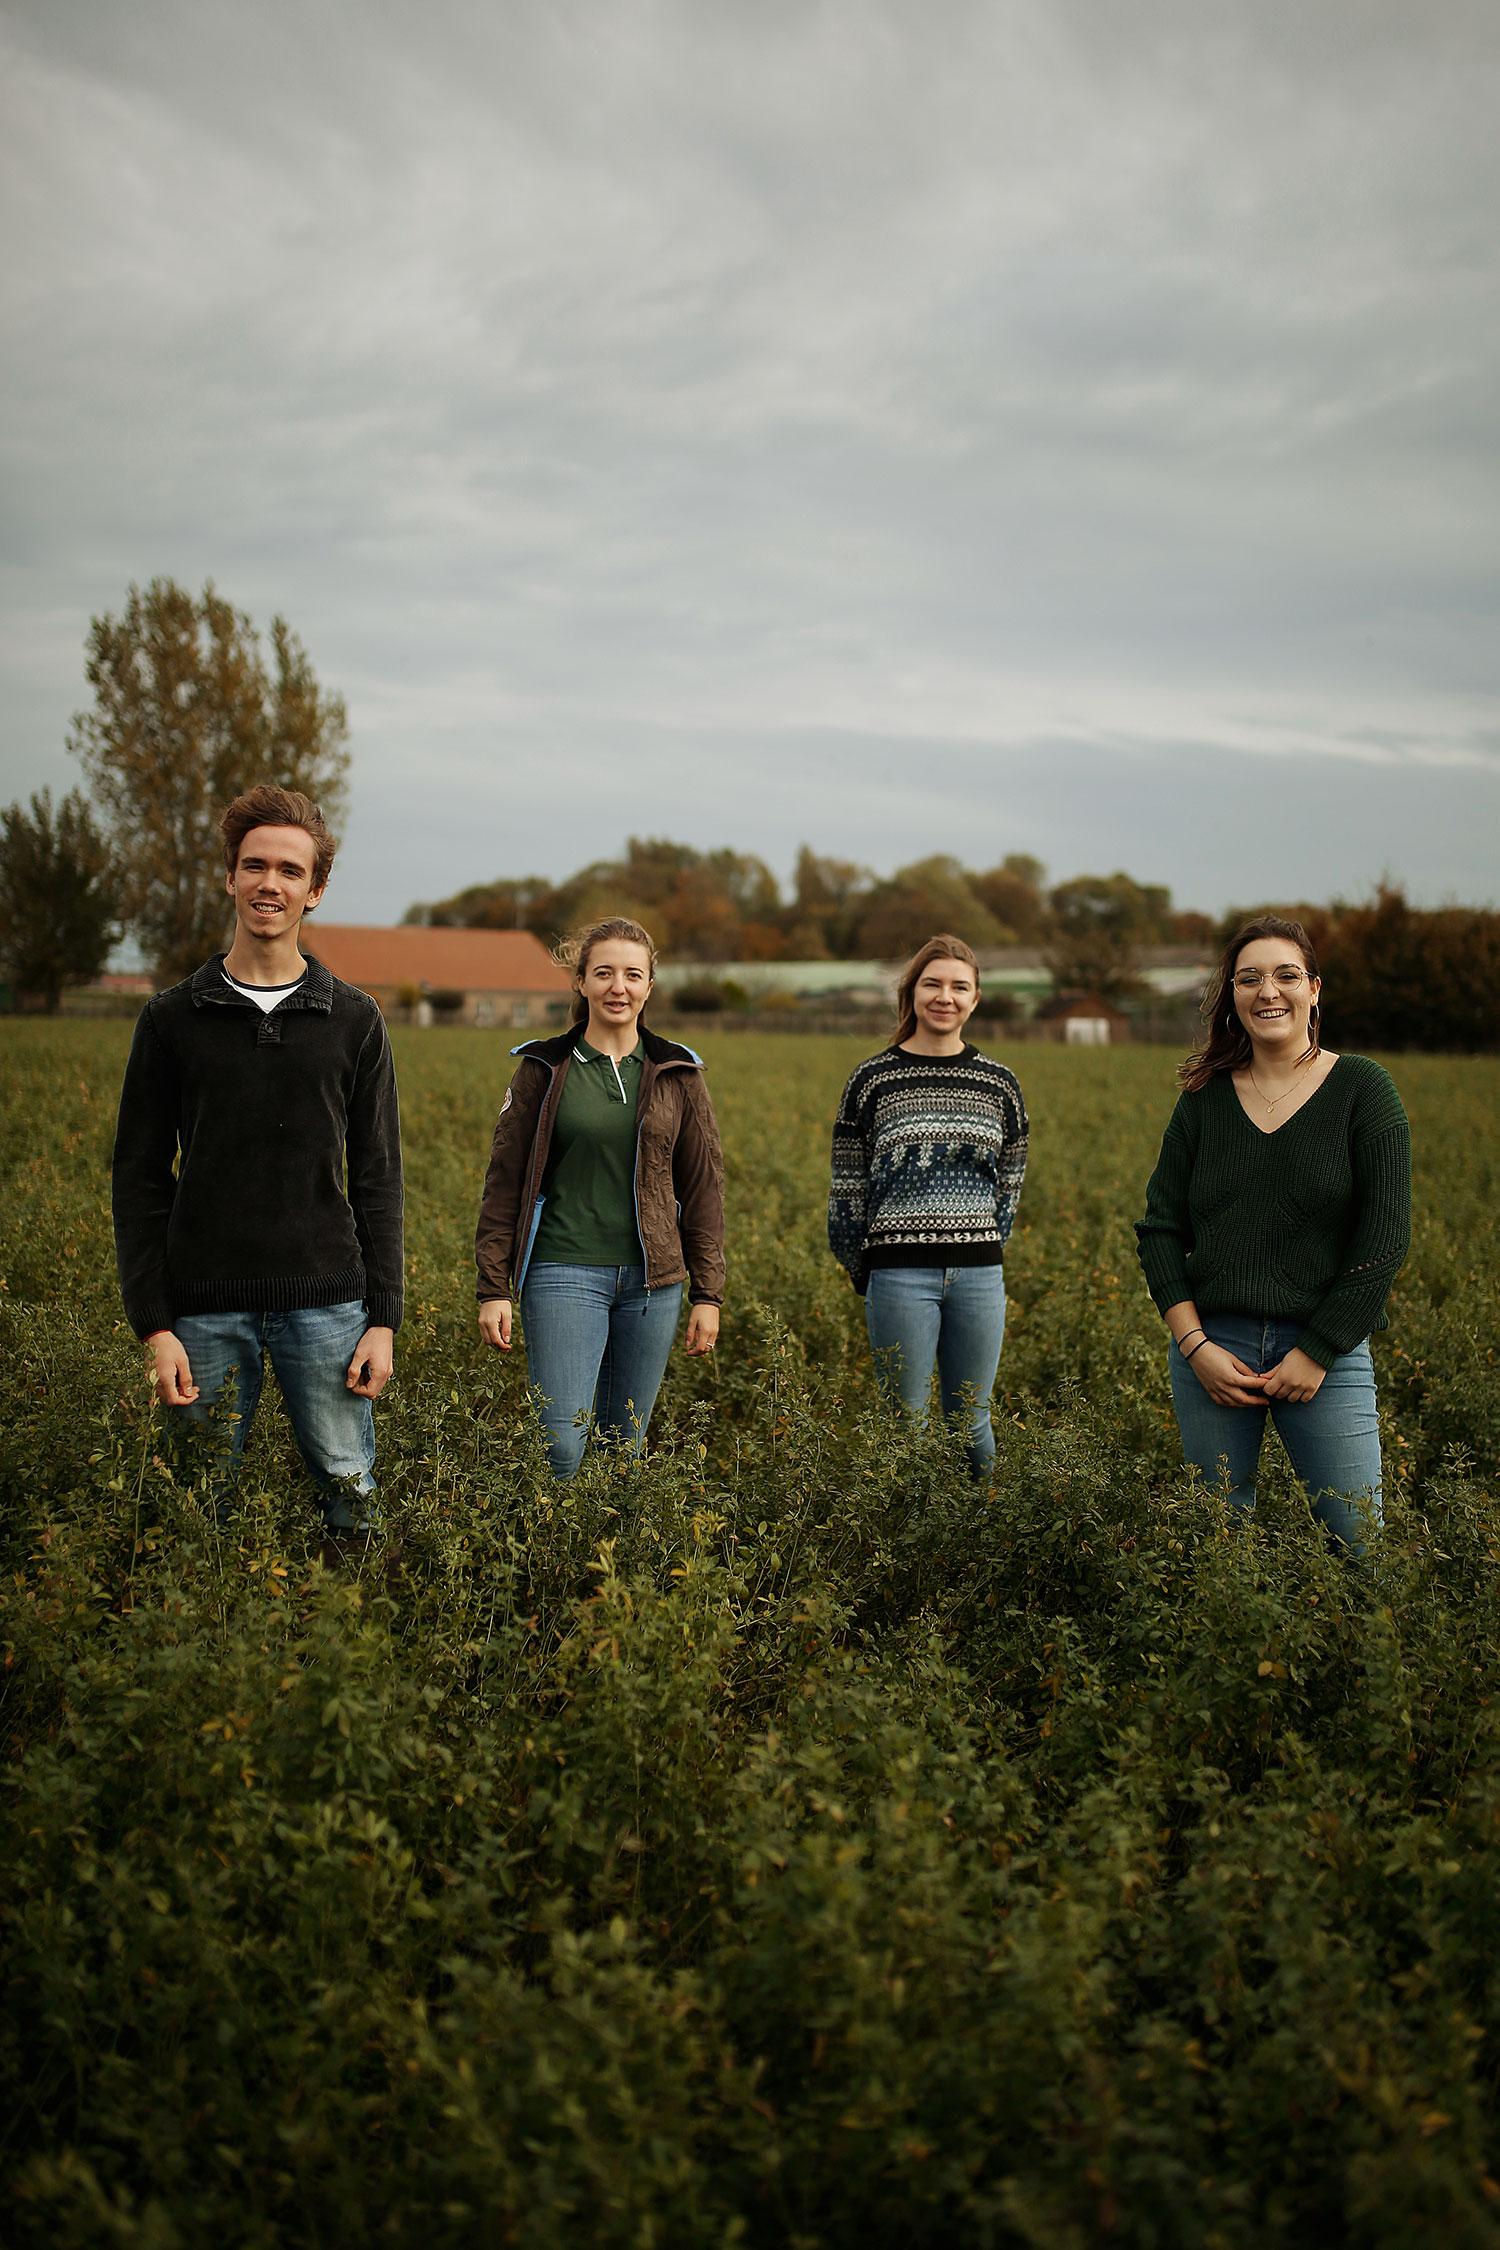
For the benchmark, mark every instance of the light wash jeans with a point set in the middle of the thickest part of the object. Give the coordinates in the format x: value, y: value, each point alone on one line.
x: 1333, y: 1438
x: 951, y: 1315
x: 310, y: 1350
x: 597, y: 1345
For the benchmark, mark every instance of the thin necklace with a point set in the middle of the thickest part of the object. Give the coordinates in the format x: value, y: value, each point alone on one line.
x: 1280, y: 1098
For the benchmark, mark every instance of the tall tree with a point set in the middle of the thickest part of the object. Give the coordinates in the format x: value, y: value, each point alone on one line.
x: 1013, y: 893
x: 1098, y: 923
x: 186, y: 715
x: 920, y: 901
x: 57, y: 898
x: 1396, y: 976
x: 830, y: 898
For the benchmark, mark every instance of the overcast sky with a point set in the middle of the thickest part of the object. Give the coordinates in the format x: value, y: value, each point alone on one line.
x: 1067, y: 428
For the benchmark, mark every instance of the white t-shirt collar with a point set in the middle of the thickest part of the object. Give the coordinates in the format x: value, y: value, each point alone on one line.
x: 265, y: 996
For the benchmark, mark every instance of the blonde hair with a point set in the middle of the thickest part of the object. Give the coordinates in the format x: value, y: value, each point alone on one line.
x: 573, y: 954
x: 941, y: 948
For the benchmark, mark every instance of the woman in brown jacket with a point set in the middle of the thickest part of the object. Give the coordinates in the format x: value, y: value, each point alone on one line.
x: 605, y: 1194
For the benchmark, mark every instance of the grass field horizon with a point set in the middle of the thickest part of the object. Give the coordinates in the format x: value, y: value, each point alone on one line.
x: 778, y: 1841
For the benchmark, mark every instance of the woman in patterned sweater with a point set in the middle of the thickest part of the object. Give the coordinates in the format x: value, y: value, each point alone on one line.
x: 929, y: 1150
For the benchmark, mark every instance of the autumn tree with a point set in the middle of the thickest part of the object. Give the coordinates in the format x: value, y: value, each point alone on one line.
x: 917, y: 902
x: 1014, y: 895
x: 57, y: 899
x: 830, y: 897
x: 1098, y: 923
x: 187, y: 714
x: 701, y: 906
x: 521, y: 902
x: 1400, y: 976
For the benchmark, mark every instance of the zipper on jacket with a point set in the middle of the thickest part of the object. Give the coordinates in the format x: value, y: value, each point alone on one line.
x: 537, y: 1209
x: 537, y: 1200
x: 635, y: 1195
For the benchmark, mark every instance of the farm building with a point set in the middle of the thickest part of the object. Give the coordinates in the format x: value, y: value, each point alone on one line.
x: 484, y: 977
x: 1083, y: 1019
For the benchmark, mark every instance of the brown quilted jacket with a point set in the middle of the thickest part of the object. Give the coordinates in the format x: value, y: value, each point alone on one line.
x: 679, y: 1170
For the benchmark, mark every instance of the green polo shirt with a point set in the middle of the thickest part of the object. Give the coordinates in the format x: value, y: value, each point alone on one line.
x: 588, y: 1217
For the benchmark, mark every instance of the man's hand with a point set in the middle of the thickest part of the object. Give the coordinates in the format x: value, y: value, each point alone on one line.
x: 174, y: 1377
x: 495, y: 1323
x: 1294, y: 1378
x: 370, y: 1368
x: 702, y: 1330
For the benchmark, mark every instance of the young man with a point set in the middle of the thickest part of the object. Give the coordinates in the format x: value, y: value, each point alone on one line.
x: 259, y: 1077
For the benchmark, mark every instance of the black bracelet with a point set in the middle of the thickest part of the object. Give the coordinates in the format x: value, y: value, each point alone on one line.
x: 1197, y: 1329
x: 1197, y: 1348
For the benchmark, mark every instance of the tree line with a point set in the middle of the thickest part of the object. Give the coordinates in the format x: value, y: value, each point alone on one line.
x: 722, y: 906
x: 191, y: 706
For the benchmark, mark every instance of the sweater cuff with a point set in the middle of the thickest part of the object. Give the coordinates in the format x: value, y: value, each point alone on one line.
x: 384, y: 1309
x: 1320, y: 1348
x: 148, y: 1318
x: 1166, y: 1272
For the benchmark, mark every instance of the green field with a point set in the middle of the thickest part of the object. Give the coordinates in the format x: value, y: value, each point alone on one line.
x: 775, y: 1843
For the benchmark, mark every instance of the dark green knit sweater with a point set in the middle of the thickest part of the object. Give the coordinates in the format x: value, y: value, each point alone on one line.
x: 1310, y: 1222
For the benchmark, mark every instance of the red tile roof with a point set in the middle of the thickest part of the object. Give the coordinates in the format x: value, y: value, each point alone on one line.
x: 448, y: 960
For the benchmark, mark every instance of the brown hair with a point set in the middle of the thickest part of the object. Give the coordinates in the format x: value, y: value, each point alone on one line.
x: 267, y: 806
x: 941, y: 948
x: 1225, y: 1044
x: 574, y: 953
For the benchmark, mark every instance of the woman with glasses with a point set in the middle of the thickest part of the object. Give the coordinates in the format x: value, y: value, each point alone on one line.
x: 605, y: 1195
x: 1276, y: 1220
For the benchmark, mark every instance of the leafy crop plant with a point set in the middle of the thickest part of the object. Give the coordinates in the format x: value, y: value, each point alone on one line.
x: 777, y: 1842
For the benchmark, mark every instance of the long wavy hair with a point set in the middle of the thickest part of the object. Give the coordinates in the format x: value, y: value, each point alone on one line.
x: 1225, y: 1044
x: 940, y: 948
x: 573, y: 955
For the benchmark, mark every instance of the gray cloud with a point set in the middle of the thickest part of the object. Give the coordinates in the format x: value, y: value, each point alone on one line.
x: 1001, y: 427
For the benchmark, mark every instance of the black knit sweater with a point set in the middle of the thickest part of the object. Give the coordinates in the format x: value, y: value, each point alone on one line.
x: 1310, y: 1222
x: 260, y: 1113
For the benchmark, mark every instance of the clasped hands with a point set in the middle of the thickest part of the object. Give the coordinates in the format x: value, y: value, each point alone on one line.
x: 1229, y: 1382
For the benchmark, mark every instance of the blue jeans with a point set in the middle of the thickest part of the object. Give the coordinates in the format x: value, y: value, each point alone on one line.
x: 597, y: 1345
x: 310, y: 1350
x: 1333, y: 1438
x: 954, y: 1315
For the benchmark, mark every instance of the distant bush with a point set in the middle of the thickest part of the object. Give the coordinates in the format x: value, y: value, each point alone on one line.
x: 699, y: 996
x: 445, y: 1001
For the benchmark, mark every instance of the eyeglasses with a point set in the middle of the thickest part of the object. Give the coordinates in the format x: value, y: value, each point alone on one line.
x: 1288, y: 977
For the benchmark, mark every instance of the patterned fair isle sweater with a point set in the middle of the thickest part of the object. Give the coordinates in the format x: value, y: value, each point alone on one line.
x: 928, y: 1157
